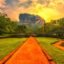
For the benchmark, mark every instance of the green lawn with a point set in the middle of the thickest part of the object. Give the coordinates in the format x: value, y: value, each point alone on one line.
x: 55, y: 53
x: 9, y: 44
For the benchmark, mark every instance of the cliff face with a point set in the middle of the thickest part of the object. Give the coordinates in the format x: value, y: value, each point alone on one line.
x: 30, y: 19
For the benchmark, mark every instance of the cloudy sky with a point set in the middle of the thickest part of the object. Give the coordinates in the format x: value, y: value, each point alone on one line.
x: 47, y: 9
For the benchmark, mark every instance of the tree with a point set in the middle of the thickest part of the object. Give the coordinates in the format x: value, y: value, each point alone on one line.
x: 20, y: 29
x: 6, y: 25
x: 55, y: 27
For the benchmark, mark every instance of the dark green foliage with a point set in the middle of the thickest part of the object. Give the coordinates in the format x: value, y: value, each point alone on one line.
x: 54, y: 28
x: 20, y: 29
x: 6, y: 25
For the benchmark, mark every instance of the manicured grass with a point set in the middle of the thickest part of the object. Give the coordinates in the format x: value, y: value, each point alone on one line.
x: 9, y: 44
x: 55, y: 53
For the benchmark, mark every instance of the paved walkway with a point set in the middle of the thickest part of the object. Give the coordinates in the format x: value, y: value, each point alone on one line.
x: 30, y: 53
x: 60, y: 44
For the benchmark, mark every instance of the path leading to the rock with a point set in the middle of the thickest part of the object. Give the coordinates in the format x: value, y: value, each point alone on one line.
x: 30, y: 53
x: 60, y: 44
